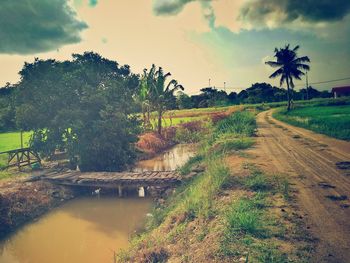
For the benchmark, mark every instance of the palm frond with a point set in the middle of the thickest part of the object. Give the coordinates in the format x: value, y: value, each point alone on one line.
x: 277, y: 73
x: 302, y: 66
x: 296, y: 48
x: 301, y: 60
x: 273, y: 64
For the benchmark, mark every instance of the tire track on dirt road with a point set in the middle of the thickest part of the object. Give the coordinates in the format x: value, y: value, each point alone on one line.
x: 310, y: 161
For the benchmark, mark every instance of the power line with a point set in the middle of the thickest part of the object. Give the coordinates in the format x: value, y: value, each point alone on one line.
x: 327, y: 81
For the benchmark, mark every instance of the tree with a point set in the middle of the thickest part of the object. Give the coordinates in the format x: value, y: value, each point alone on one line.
x: 84, y: 106
x: 161, y: 92
x: 183, y: 101
x: 289, y: 66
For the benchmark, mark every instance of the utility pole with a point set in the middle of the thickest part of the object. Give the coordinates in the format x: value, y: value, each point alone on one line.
x: 209, y: 83
x: 307, y: 87
x: 224, y: 86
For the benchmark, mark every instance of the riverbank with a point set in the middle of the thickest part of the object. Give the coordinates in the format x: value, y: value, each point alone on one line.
x: 22, y: 201
x: 230, y: 212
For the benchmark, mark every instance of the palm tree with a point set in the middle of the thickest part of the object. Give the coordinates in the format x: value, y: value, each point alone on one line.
x: 290, y: 66
x: 161, y: 93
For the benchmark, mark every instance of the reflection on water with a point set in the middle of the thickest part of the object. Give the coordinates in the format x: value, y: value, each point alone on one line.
x: 87, y: 230
x: 169, y: 160
x: 83, y: 230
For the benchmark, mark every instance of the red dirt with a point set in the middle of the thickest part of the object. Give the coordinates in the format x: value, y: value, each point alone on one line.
x: 323, y: 190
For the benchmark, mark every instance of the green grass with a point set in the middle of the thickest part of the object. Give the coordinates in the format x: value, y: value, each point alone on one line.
x: 333, y: 121
x: 12, y: 140
x: 166, y: 122
x: 238, y: 124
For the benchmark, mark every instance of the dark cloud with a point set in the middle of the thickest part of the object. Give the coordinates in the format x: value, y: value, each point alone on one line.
x: 284, y: 11
x: 169, y: 7
x: 33, y: 26
x: 173, y: 7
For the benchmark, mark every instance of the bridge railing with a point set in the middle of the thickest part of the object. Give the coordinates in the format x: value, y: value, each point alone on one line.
x: 21, y: 157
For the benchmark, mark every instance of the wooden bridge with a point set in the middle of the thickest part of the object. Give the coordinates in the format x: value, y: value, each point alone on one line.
x: 118, y: 180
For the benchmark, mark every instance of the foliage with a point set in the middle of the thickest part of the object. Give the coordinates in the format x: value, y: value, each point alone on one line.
x: 289, y: 66
x: 7, y: 108
x: 333, y: 121
x: 239, y: 124
x: 80, y: 106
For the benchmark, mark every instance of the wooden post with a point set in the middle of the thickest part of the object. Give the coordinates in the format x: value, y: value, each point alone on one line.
x: 21, y: 139
x: 120, y: 191
x: 18, y: 161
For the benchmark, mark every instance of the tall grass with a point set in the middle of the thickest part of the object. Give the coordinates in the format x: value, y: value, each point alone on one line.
x: 239, y: 124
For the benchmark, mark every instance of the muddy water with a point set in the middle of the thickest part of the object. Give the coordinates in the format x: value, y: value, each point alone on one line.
x: 169, y: 160
x: 87, y: 229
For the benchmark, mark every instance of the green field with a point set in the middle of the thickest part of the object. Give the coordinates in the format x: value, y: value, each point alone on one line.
x: 333, y: 121
x: 12, y: 140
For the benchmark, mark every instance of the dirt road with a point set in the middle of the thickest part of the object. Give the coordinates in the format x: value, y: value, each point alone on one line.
x: 322, y: 187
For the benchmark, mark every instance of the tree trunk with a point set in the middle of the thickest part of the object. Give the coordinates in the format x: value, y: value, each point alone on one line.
x: 144, y: 116
x: 148, y: 114
x: 160, y: 121
x: 288, y: 94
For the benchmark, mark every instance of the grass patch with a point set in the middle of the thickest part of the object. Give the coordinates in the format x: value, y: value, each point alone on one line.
x: 333, y: 121
x: 12, y: 140
x: 186, y: 168
x: 245, y: 216
x: 5, y: 174
x: 228, y: 144
x: 240, y: 124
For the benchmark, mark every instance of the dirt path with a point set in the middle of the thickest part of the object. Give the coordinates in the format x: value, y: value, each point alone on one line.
x: 310, y: 161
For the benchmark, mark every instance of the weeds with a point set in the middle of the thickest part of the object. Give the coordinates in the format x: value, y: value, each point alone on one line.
x: 240, y: 124
x: 186, y: 168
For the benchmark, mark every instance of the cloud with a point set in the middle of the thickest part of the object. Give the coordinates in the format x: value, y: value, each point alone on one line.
x: 173, y: 7
x: 273, y: 13
x: 169, y: 7
x: 29, y: 27
x: 93, y: 3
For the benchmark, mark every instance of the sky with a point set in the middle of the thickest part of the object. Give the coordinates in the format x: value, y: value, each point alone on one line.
x: 226, y: 41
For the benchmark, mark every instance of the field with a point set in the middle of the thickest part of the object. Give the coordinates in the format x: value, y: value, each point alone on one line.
x: 12, y: 140
x: 333, y: 121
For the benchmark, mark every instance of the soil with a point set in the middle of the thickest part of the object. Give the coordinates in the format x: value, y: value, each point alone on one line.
x: 311, y: 161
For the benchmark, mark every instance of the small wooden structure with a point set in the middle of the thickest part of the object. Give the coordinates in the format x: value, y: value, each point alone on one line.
x: 116, y: 180
x: 21, y: 157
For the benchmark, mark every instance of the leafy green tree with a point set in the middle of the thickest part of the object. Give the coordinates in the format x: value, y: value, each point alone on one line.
x: 84, y: 106
x: 183, y: 101
x: 289, y: 66
x: 7, y: 108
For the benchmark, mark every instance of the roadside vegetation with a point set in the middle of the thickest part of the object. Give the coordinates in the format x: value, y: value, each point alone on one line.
x: 225, y: 212
x: 328, y: 119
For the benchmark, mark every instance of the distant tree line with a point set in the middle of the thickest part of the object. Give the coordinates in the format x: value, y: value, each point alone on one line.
x: 257, y: 93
